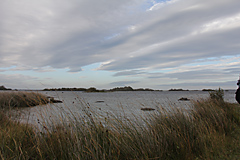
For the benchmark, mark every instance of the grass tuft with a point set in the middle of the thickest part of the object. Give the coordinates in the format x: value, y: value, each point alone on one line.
x: 21, y: 99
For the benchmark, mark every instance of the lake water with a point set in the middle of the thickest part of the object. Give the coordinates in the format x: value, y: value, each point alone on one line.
x: 122, y: 105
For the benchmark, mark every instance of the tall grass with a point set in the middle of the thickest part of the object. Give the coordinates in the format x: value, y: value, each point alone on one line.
x: 12, y: 99
x: 210, y: 131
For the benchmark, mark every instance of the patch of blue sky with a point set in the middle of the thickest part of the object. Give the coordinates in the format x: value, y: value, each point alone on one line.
x: 91, y: 70
x: 234, y: 58
x: 58, y: 73
x: 150, y: 3
x: 214, y: 60
x: 202, y: 63
x: 229, y: 56
x: 161, y: 71
x: 206, y: 59
x: 157, y: 2
x: 101, y: 77
x: 7, y: 68
x: 112, y: 36
x: 88, y: 76
x: 11, y: 72
x: 90, y: 67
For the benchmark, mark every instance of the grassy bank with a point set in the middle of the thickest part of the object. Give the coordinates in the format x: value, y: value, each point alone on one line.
x: 13, y: 99
x: 210, y: 131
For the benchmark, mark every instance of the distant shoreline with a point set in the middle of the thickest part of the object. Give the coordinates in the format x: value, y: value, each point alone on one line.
x: 126, y: 88
x: 93, y: 89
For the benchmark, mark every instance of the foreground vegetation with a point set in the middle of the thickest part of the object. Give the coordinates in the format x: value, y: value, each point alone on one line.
x: 14, y: 99
x: 210, y: 131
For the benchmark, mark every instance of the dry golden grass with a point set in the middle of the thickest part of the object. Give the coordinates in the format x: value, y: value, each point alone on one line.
x: 210, y: 131
x: 11, y: 99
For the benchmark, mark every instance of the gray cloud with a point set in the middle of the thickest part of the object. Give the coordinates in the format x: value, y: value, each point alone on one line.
x: 129, y: 73
x: 75, y: 33
x: 181, y: 49
x: 233, y: 71
x: 17, y: 80
x: 123, y: 83
x: 197, y: 78
x: 215, y: 75
x: 203, y: 85
x: 66, y: 34
x: 75, y: 70
x: 45, y: 35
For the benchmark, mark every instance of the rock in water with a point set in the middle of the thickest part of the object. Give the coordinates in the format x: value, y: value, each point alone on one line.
x: 147, y: 109
x: 52, y: 100
x: 184, y: 99
x: 99, y: 102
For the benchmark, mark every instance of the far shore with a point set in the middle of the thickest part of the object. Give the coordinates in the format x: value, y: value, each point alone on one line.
x: 93, y: 89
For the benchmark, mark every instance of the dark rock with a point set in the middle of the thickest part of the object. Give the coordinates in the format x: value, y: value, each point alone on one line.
x: 52, y: 100
x: 147, y: 109
x: 49, y: 97
x: 184, y: 99
x: 99, y: 102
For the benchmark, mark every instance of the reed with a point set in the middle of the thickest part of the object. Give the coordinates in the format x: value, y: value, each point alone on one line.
x: 209, y: 131
x: 12, y: 99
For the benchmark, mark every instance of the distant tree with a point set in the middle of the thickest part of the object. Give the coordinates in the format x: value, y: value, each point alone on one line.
x: 208, y: 90
x: 126, y: 88
x: 148, y: 89
x: 178, y: 90
x: 92, y: 89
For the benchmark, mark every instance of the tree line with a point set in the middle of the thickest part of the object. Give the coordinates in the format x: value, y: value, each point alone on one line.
x: 93, y: 89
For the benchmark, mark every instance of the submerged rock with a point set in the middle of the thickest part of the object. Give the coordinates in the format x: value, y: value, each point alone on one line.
x: 147, y: 109
x: 99, y: 101
x: 52, y: 100
x: 184, y: 99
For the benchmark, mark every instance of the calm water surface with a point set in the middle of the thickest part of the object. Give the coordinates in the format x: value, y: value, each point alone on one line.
x: 120, y: 104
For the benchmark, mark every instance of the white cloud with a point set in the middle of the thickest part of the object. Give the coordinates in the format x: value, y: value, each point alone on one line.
x: 221, y: 24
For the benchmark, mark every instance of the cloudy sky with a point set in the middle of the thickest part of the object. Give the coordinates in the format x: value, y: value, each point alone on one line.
x: 159, y: 44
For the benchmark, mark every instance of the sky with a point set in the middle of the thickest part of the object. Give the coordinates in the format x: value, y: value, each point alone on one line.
x: 158, y: 44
